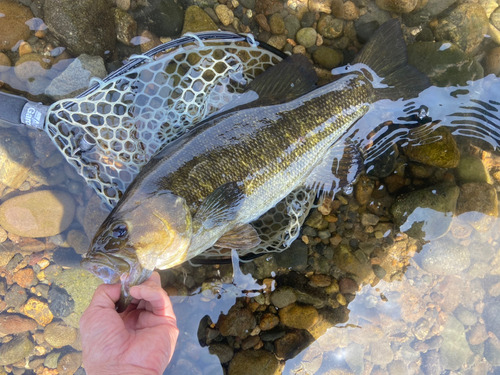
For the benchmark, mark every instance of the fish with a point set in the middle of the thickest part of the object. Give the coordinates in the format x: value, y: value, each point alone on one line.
x: 207, y: 187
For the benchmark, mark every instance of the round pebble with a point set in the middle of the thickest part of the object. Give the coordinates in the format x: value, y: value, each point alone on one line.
x: 225, y: 14
x: 351, y: 11
x: 5, y: 63
x: 397, y: 6
x: 39, y: 214
x: 299, y: 316
x: 306, y: 37
x: 59, y: 334
x: 277, y: 24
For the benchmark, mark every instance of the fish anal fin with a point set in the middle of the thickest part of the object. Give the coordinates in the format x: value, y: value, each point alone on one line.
x: 243, y: 237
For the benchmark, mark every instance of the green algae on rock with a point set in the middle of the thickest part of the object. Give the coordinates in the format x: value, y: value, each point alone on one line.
x: 254, y: 362
x: 472, y: 169
x: 196, y: 20
x: 442, y: 153
x: 15, y: 350
x: 40, y: 214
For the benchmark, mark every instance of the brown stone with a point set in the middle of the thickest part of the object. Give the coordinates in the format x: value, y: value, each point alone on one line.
x: 25, y: 277
x: 38, y: 310
x: 268, y: 7
x: 236, y: 323
x: 11, y: 324
x: 298, y: 316
x: 292, y: 344
x: 70, y: 363
x: 268, y: 321
x: 13, y: 27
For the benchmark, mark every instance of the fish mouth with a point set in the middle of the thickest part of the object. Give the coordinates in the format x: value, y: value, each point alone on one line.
x: 107, y: 267
x: 112, y: 269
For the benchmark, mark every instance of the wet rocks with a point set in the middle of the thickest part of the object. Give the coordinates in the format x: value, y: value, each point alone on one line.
x: 478, y: 204
x: 16, y: 159
x: 196, y: 20
x: 306, y: 37
x: 69, y: 364
x: 426, y: 213
x: 292, y: 344
x: 268, y: 321
x: 60, y: 302
x: 13, y: 27
x: 38, y: 310
x: 298, y: 316
x: 162, y: 17
x: 254, y: 362
x: 15, y: 350
x: 442, y: 257
x: 76, y: 77
x: 397, y: 6
x: 444, y: 63
x: 224, y: 14
x: 492, y: 316
x: 126, y: 27
x: 236, y: 323
x: 283, y: 296
x: 442, y: 153
x: 25, y: 277
x: 58, y: 334
x: 13, y: 324
x: 224, y: 352
x: 83, y: 27
x: 471, y: 169
x: 326, y: 57
x: 455, y: 350
x: 465, y: 26
x: 39, y: 214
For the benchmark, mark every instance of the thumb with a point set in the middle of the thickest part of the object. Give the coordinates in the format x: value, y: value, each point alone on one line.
x: 106, y: 296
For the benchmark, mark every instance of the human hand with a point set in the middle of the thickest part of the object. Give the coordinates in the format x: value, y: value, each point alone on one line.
x: 141, y: 340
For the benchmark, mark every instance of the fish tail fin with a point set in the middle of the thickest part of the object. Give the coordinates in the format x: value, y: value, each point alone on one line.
x: 386, y: 54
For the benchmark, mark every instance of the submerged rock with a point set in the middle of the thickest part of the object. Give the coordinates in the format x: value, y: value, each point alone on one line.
x: 196, y: 20
x: 15, y: 350
x: 465, y: 26
x: 455, y: 350
x: 13, y: 27
x: 16, y: 158
x: 59, y: 334
x: 76, y: 77
x: 40, y: 214
x: 254, y: 362
x: 442, y: 153
x: 162, y: 17
x: 11, y: 324
x: 426, y: 213
x: 444, y: 63
x: 471, y: 169
x: 82, y: 26
x: 478, y: 205
x: 443, y: 257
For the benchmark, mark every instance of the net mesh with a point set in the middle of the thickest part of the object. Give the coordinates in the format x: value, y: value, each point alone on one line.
x: 129, y: 118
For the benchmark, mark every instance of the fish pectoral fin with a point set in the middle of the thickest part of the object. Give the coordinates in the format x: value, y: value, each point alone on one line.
x: 220, y: 207
x: 339, y: 168
x: 241, y: 237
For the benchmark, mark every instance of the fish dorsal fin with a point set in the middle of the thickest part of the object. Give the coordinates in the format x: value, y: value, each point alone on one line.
x: 291, y: 78
x: 386, y: 54
x: 241, y: 237
x: 339, y: 168
x: 287, y: 80
x: 220, y: 206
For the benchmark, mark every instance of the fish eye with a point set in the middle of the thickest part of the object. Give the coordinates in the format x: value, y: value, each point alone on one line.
x: 119, y: 231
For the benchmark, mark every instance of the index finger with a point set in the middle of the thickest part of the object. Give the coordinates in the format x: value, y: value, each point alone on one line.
x: 156, y: 296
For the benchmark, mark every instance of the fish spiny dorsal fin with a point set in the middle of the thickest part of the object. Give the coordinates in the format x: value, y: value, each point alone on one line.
x: 386, y: 54
x: 292, y: 77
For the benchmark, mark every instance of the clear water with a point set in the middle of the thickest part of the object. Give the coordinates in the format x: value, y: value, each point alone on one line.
x: 417, y: 319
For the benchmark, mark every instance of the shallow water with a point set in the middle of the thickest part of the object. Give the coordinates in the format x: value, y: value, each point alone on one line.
x: 365, y: 289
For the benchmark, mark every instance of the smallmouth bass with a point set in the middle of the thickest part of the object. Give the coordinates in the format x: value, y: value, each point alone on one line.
x: 204, y: 189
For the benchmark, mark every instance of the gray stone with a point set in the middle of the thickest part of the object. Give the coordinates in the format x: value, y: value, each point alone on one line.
x: 465, y: 316
x: 82, y: 26
x: 60, y: 302
x: 250, y: 4
x: 15, y: 297
x: 431, y: 363
x: 455, y: 350
x: 444, y: 63
x: 76, y: 77
x: 442, y: 257
x: 492, y: 351
x: 381, y: 352
x: 292, y: 25
x: 426, y: 213
x: 224, y: 352
x: 283, y: 296
x: 254, y: 362
x: 161, y: 17
x: 294, y: 258
x: 306, y: 37
x: 397, y: 368
x: 354, y: 357
x: 491, y: 316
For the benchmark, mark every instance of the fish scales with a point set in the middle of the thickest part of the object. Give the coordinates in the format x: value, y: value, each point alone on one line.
x: 264, y: 148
